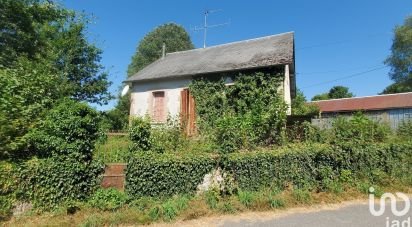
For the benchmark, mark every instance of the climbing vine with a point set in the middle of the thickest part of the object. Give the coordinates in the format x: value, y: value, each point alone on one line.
x: 247, y: 113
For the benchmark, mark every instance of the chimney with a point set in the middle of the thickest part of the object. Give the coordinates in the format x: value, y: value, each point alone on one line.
x: 163, y: 50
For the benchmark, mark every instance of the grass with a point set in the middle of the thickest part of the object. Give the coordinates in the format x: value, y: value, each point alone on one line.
x: 113, y: 150
x: 148, y: 210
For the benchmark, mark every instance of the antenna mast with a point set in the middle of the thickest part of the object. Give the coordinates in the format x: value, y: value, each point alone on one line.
x: 206, y: 26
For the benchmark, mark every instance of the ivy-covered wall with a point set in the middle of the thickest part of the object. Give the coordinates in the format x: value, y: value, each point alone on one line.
x: 251, y: 111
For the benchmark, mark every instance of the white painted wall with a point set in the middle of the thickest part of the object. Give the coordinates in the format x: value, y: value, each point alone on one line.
x: 142, y: 93
x: 286, y: 90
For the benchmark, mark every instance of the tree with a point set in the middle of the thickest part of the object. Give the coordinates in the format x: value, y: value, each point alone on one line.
x: 323, y: 96
x: 400, y: 59
x: 42, y: 30
x: 339, y: 92
x: 149, y: 49
x: 301, y: 107
x: 44, y: 57
x: 336, y: 92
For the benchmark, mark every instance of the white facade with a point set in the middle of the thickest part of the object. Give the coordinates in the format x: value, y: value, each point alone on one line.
x: 142, y: 94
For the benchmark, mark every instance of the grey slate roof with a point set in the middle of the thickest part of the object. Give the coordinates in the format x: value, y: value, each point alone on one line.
x: 253, y: 53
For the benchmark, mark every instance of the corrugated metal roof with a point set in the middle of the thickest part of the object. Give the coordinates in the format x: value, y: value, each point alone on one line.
x: 253, y: 53
x: 378, y: 102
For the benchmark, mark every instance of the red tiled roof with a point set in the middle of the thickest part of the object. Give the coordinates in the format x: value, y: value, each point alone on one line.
x: 378, y: 102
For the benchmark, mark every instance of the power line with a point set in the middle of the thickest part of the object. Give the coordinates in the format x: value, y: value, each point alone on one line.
x: 336, y: 71
x: 345, y: 77
x: 342, y: 41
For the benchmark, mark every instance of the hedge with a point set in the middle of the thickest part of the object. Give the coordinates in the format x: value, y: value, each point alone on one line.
x: 153, y: 174
x: 49, y: 182
x: 304, y: 166
x: 308, y: 166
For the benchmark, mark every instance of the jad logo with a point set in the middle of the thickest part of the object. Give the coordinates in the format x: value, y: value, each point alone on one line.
x: 394, y: 209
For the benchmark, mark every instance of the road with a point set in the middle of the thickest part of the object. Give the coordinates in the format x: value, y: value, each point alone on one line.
x: 352, y: 215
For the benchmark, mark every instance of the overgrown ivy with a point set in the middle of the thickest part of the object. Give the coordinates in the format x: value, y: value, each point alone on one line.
x: 249, y: 112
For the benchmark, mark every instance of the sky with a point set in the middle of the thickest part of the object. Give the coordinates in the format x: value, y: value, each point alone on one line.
x: 336, y: 42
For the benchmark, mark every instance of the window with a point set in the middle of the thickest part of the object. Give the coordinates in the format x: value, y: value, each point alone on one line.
x: 159, y: 107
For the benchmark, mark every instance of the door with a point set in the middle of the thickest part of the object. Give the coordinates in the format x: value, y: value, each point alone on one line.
x: 188, y: 112
x: 159, y: 110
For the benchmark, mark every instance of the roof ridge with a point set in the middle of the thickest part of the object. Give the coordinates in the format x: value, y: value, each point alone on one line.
x: 370, y: 96
x: 231, y: 43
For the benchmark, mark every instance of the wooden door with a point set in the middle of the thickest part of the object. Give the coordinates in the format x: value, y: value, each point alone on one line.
x: 159, y: 110
x: 188, y: 112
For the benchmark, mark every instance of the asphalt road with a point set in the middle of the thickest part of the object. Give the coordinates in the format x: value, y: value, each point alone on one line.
x: 352, y: 215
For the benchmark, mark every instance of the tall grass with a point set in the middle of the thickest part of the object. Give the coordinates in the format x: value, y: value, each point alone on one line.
x: 114, y: 150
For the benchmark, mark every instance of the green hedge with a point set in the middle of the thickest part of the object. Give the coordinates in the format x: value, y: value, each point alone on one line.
x: 153, y: 174
x: 7, y: 189
x: 48, y: 183
x: 313, y: 166
x: 308, y: 166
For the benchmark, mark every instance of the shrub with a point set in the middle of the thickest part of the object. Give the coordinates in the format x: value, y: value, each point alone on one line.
x: 153, y: 174
x: 52, y: 181
x: 168, y: 137
x: 318, y: 166
x: 405, y: 129
x: 359, y: 130
x: 71, y: 128
x: 108, y: 199
x: 7, y: 189
x: 64, y: 143
x: 140, y: 132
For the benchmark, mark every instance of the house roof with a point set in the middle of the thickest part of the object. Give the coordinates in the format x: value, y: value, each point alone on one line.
x: 377, y: 102
x: 254, y: 53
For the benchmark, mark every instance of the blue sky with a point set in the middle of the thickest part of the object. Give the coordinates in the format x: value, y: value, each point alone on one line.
x: 334, y: 39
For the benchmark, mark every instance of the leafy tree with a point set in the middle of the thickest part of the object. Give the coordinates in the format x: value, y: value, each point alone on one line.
x: 44, y: 57
x: 300, y: 107
x: 397, y: 88
x: 323, y: 96
x: 149, y: 49
x: 26, y: 93
x: 400, y: 59
x: 42, y: 30
x: 336, y: 92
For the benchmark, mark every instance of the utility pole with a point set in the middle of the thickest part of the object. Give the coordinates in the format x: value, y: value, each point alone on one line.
x: 206, y: 26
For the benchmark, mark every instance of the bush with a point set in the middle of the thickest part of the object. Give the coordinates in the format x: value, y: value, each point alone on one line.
x: 359, y: 130
x: 318, y: 166
x: 405, y: 129
x: 49, y: 182
x: 71, y: 128
x: 7, y: 189
x: 140, y: 132
x: 108, y: 199
x: 152, y: 174
x: 64, y: 143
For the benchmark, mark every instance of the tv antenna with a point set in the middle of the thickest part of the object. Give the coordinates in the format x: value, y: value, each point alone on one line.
x: 206, y: 26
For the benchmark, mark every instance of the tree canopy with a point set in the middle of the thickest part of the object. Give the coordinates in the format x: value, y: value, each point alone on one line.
x: 336, y: 92
x: 301, y: 107
x: 149, y: 49
x: 44, y: 31
x: 400, y: 59
x: 44, y: 57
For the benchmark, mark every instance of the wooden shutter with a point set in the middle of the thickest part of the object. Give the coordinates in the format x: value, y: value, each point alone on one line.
x: 159, y: 107
x: 187, y: 112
